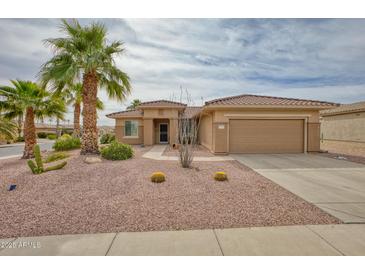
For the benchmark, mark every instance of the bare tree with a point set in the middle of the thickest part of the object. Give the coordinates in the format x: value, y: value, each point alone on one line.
x: 188, y: 128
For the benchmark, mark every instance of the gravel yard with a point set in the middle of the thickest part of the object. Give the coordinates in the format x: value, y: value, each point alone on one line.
x: 118, y: 196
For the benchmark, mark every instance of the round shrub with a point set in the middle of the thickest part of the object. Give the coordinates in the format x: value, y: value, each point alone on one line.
x: 158, y: 177
x: 220, y: 176
x: 51, y: 136
x: 107, y: 138
x: 117, y: 151
x: 42, y: 134
x: 67, y: 144
x: 66, y: 136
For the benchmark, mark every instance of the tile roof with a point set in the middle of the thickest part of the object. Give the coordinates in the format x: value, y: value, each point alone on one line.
x: 125, y: 113
x: 163, y: 103
x: 190, y: 112
x: 248, y: 99
x: 355, y: 107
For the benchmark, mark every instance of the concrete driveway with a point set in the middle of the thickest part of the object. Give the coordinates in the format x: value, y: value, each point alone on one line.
x: 336, y: 186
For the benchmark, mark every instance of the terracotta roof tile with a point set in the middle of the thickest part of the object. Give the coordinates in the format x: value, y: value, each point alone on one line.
x: 355, y: 107
x: 192, y: 111
x: 125, y: 113
x: 164, y: 103
x: 248, y: 99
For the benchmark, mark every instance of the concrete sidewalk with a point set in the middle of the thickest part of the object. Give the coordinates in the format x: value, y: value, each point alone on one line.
x: 156, y: 152
x: 348, y: 239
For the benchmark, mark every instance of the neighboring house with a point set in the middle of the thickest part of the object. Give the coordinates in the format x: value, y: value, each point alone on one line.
x: 343, y: 129
x: 237, y: 124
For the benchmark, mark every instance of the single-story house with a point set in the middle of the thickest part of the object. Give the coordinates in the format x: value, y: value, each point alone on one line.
x: 237, y: 124
x: 343, y: 129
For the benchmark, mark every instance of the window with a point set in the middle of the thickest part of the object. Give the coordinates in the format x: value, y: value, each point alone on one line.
x: 131, y: 129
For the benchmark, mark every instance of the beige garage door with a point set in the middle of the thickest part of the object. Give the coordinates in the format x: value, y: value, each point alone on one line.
x: 266, y: 136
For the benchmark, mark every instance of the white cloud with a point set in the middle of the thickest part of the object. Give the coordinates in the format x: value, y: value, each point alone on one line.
x: 314, y: 59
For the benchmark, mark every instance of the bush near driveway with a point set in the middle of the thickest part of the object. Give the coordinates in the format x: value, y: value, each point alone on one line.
x: 117, y: 151
x: 67, y: 143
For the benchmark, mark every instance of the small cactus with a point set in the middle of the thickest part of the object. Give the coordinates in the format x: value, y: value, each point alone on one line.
x: 37, y: 166
x: 33, y: 167
x: 158, y: 177
x: 55, y: 167
x: 220, y: 176
x: 38, y: 158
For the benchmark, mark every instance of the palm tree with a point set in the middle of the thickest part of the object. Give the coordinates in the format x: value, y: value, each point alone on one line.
x: 73, y: 96
x: 35, y: 102
x: 135, y: 103
x: 7, y: 128
x: 84, y: 52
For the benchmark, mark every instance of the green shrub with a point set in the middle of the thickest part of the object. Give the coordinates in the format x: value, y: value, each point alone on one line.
x: 42, y: 134
x: 107, y: 138
x: 117, y: 151
x: 66, y: 136
x: 55, y: 156
x: 51, y: 136
x: 67, y: 144
x: 20, y: 139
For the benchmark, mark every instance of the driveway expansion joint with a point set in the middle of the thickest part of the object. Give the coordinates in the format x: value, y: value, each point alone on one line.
x: 111, y: 244
x: 219, y: 244
x: 324, y: 239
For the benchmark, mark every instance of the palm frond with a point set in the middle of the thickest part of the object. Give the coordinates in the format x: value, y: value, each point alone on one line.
x: 7, y: 128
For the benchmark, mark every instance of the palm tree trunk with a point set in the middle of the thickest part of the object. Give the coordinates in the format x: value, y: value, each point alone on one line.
x: 29, y: 134
x: 77, y: 109
x: 90, y: 131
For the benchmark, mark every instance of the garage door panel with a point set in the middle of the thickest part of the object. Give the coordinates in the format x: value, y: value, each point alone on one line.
x: 266, y: 136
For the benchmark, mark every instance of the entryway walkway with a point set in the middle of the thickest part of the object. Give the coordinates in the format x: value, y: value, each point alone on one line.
x: 281, y: 240
x: 156, y: 152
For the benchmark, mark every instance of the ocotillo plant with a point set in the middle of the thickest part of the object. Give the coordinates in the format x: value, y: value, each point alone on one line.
x: 37, y: 166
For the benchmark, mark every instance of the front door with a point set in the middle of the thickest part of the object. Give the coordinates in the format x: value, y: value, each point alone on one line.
x: 164, y: 133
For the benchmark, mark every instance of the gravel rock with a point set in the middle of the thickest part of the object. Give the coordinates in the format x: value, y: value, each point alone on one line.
x: 92, y: 160
x: 115, y: 196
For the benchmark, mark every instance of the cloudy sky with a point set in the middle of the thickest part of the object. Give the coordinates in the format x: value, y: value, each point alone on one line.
x: 315, y: 59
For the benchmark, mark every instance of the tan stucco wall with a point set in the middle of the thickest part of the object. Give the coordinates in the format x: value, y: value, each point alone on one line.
x: 313, y: 115
x: 206, y: 131
x: 345, y: 127
x: 119, y: 131
x: 221, y: 117
x: 160, y: 113
x: 173, y: 128
x: 313, y: 137
x: 344, y: 147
